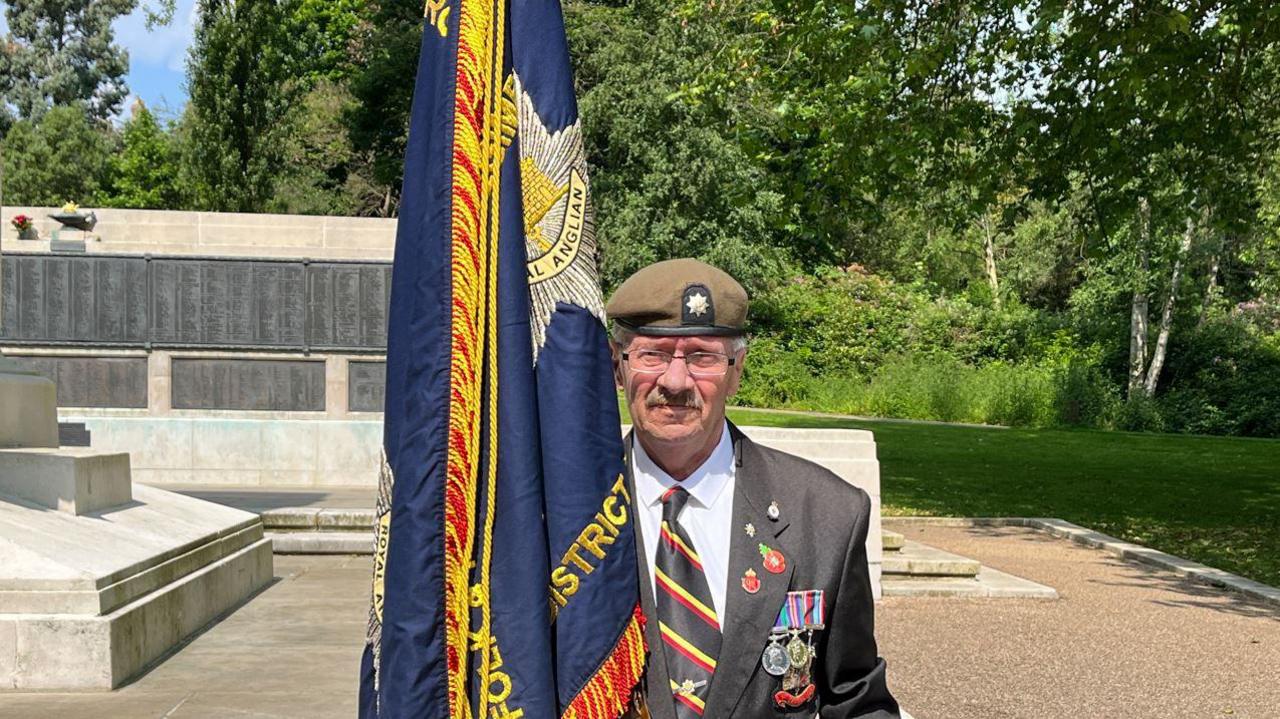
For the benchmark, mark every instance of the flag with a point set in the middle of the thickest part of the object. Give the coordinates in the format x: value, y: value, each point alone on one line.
x: 504, y: 570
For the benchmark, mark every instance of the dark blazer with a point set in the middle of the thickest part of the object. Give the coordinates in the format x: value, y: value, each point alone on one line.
x: 822, y: 532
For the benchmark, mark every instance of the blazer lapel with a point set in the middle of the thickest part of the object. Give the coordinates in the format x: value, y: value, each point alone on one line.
x: 748, y: 617
x: 657, y: 684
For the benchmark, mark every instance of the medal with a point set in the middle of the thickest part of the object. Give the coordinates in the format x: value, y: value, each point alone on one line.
x: 774, y: 562
x: 750, y: 582
x: 801, y: 614
x: 798, y: 652
x: 775, y: 660
x: 773, y: 512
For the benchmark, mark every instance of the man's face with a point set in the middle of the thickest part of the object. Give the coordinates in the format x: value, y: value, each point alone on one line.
x: 675, y: 406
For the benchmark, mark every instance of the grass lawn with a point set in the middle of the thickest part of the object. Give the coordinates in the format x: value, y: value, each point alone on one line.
x: 1215, y: 500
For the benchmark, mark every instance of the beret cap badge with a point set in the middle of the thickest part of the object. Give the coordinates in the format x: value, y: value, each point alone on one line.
x: 680, y: 297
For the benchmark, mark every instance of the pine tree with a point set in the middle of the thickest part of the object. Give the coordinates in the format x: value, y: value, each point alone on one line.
x: 62, y: 52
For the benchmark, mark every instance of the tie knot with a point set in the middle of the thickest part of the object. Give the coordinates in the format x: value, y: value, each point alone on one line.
x: 673, y: 501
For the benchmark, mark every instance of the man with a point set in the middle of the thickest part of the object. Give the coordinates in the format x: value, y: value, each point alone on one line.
x: 753, y: 563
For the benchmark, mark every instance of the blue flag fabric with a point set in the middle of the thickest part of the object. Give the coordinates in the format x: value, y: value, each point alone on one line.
x: 504, y: 572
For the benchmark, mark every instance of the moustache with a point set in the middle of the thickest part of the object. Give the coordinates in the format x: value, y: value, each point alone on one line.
x: 659, y: 398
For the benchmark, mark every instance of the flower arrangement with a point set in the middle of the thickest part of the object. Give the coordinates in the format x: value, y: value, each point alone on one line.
x: 70, y: 208
x: 22, y: 223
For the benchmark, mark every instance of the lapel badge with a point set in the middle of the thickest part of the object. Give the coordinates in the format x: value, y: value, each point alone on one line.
x: 750, y: 582
x: 751, y: 529
x: 774, y: 562
x: 773, y: 512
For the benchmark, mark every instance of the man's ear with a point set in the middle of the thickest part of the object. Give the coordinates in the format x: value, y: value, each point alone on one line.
x: 735, y: 374
x: 615, y: 355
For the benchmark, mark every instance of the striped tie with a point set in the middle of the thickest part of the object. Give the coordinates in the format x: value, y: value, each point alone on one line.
x: 686, y: 615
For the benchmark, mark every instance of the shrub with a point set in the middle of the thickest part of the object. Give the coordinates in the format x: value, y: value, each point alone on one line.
x: 1082, y: 395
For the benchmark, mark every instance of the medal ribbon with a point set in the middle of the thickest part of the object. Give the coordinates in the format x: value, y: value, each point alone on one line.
x: 802, y: 610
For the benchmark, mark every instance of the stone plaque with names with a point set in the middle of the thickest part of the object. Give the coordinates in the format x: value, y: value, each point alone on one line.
x: 195, y: 302
x: 366, y: 386
x: 118, y: 382
x: 347, y: 304
x: 93, y: 300
x: 248, y: 384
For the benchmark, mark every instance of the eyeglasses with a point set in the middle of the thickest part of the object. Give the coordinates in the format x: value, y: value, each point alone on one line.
x: 699, y: 364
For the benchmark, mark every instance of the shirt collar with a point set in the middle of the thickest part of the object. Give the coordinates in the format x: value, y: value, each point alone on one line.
x: 705, y: 485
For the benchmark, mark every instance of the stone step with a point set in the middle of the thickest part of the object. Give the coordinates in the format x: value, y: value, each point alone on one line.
x: 988, y: 583
x: 318, y: 519
x: 919, y: 560
x: 321, y: 542
x: 891, y: 541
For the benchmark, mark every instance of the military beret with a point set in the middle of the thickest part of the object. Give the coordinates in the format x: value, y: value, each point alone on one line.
x: 680, y: 297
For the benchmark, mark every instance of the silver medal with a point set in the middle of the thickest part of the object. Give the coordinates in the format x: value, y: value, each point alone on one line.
x: 775, y: 660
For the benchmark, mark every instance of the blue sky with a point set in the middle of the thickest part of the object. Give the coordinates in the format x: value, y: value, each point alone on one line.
x: 157, y: 58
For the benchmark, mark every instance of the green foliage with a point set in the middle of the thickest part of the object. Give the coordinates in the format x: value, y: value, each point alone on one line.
x: 848, y: 321
x: 937, y: 389
x: 240, y: 92
x: 63, y: 156
x: 669, y: 176
x: 62, y: 53
x: 144, y: 174
x: 387, y: 48
x: 1224, y: 379
x: 322, y: 174
x: 321, y: 36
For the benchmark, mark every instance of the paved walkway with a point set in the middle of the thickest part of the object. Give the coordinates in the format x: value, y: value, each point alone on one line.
x: 292, y: 651
x: 1124, y: 640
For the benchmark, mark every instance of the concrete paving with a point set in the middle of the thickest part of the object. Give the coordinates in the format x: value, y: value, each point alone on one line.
x: 293, y: 651
x: 1124, y: 639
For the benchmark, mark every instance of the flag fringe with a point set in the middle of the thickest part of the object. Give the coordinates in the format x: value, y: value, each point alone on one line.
x: 473, y: 197
x: 608, y: 693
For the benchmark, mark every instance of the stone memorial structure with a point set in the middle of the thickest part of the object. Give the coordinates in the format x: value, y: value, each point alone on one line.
x: 100, y: 578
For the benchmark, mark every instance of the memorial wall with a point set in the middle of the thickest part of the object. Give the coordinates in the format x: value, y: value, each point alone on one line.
x: 217, y: 348
x: 305, y: 310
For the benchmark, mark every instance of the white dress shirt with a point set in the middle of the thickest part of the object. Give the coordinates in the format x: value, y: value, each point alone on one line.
x: 707, y: 518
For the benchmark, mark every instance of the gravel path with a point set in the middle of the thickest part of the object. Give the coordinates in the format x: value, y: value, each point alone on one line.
x: 1124, y: 640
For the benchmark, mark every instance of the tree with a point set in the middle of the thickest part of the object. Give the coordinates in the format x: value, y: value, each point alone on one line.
x: 669, y: 177
x: 1150, y: 107
x: 322, y: 173
x: 144, y: 174
x: 321, y: 37
x: 64, y: 156
x: 386, y: 61
x: 62, y: 52
x: 239, y: 95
